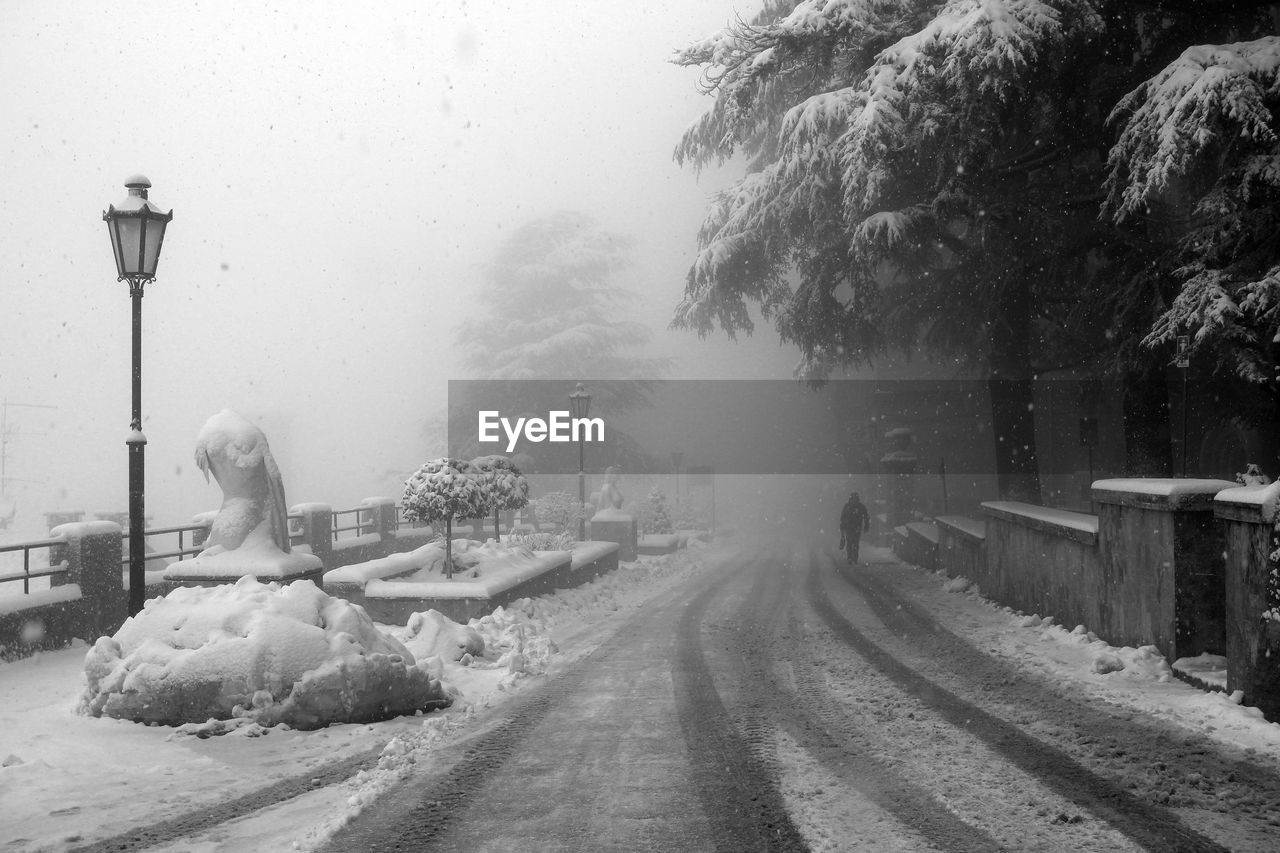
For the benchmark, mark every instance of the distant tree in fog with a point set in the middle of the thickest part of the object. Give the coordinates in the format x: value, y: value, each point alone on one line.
x: 549, y: 308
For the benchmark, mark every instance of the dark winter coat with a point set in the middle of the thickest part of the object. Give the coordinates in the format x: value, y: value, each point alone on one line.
x: 854, y: 518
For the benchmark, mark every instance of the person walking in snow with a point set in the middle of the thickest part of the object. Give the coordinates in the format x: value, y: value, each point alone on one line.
x: 854, y: 519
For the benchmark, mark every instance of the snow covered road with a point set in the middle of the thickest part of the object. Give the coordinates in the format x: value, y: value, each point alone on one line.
x: 728, y: 698
x: 779, y: 702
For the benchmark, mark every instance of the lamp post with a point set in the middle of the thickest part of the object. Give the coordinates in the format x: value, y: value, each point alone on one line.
x: 579, y: 407
x: 1184, y: 361
x: 676, y: 458
x: 137, y: 233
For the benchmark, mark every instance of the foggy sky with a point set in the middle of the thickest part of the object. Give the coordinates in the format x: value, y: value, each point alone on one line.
x: 337, y: 176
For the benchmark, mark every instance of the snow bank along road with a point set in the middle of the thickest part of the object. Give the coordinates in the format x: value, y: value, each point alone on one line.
x: 784, y: 702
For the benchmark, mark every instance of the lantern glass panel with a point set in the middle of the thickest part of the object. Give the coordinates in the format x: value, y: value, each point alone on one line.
x: 151, y: 249
x: 129, y: 233
x: 115, y: 245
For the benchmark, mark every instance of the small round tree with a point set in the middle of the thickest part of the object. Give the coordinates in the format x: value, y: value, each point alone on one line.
x: 444, y: 489
x: 505, y: 488
x: 655, y: 516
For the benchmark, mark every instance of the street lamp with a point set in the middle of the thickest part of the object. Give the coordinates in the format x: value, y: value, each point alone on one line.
x: 676, y: 458
x: 579, y: 407
x: 137, y: 233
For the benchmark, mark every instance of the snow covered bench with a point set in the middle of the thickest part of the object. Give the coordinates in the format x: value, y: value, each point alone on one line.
x: 656, y: 544
x: 394, y: 587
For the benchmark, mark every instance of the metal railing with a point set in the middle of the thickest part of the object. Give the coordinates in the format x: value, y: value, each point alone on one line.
x: 361, y: 522
x: 50, y: 571
x: 181, y: 552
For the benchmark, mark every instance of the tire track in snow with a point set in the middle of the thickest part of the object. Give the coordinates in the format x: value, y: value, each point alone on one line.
x: 200, y: 820
x: 810, y: 716
x: 740, y: 804
x: 1163, y: 764
x: 738, y: 793
x: 1152, y: 827
x: 420, y: 814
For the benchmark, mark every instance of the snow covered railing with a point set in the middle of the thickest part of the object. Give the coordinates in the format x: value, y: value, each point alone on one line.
x: 86, y: 596
x: 55, y: 571
x: 198, y: 530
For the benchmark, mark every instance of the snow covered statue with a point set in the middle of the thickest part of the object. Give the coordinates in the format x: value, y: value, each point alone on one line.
x: 250, y: 533
x: 610, y: 523
x: 610, y: 496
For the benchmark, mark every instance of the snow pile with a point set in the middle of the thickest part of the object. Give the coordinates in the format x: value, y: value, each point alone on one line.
x: 1144, y: 663
x: 512, y: 638
x: 516, y: 637
x: 262, y: 652
x: 1207, y: 669
x: 432, y: 634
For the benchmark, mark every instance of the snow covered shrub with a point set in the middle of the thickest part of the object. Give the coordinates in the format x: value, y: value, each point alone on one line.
x: 655, y: 517
x: 442, y: 490
x: 544, y: 541
x: 505, y: 488
x: 558, y: 508
x: 257, y: 651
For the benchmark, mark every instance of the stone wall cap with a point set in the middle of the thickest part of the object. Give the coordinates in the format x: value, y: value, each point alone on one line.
x: 85, y: 528
x: 1264, y: 499
x: 311, y: 507
x: 1043, y: 516
x: 379, y: 501
x: 974, y: 528
x: 1170, y: 493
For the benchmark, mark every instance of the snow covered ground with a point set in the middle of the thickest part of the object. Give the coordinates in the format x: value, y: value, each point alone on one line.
x: 68, y: 779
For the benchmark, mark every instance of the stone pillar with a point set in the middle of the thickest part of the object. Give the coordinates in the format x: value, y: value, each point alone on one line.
x: 900, y: 463
x: 379, y: 515
x: 1162, y: 564
x: 317, y: 529
x: 92, y: 550
x: 1248, y: 517
x: 616, y: 526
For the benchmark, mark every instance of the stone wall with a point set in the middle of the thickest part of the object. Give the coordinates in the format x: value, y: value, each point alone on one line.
x: 1149, y: 569
x: 1042, y: 561
x: 1164, y: 570
x: 961, y: 546
x: 1248, y: 517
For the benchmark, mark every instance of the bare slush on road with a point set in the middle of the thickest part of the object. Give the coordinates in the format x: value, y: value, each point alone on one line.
x: 779, y: 701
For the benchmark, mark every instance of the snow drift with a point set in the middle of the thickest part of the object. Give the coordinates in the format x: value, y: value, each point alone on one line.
x: 259, y: 651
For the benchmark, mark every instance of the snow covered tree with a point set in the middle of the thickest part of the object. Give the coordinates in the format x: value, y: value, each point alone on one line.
x: 442, y: 490
x: 927, y: 174
x: 505, y: 488
x: 655, y: 515
x: 558, y: 508
x: 549, y: 309
x: 1202, y: 137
